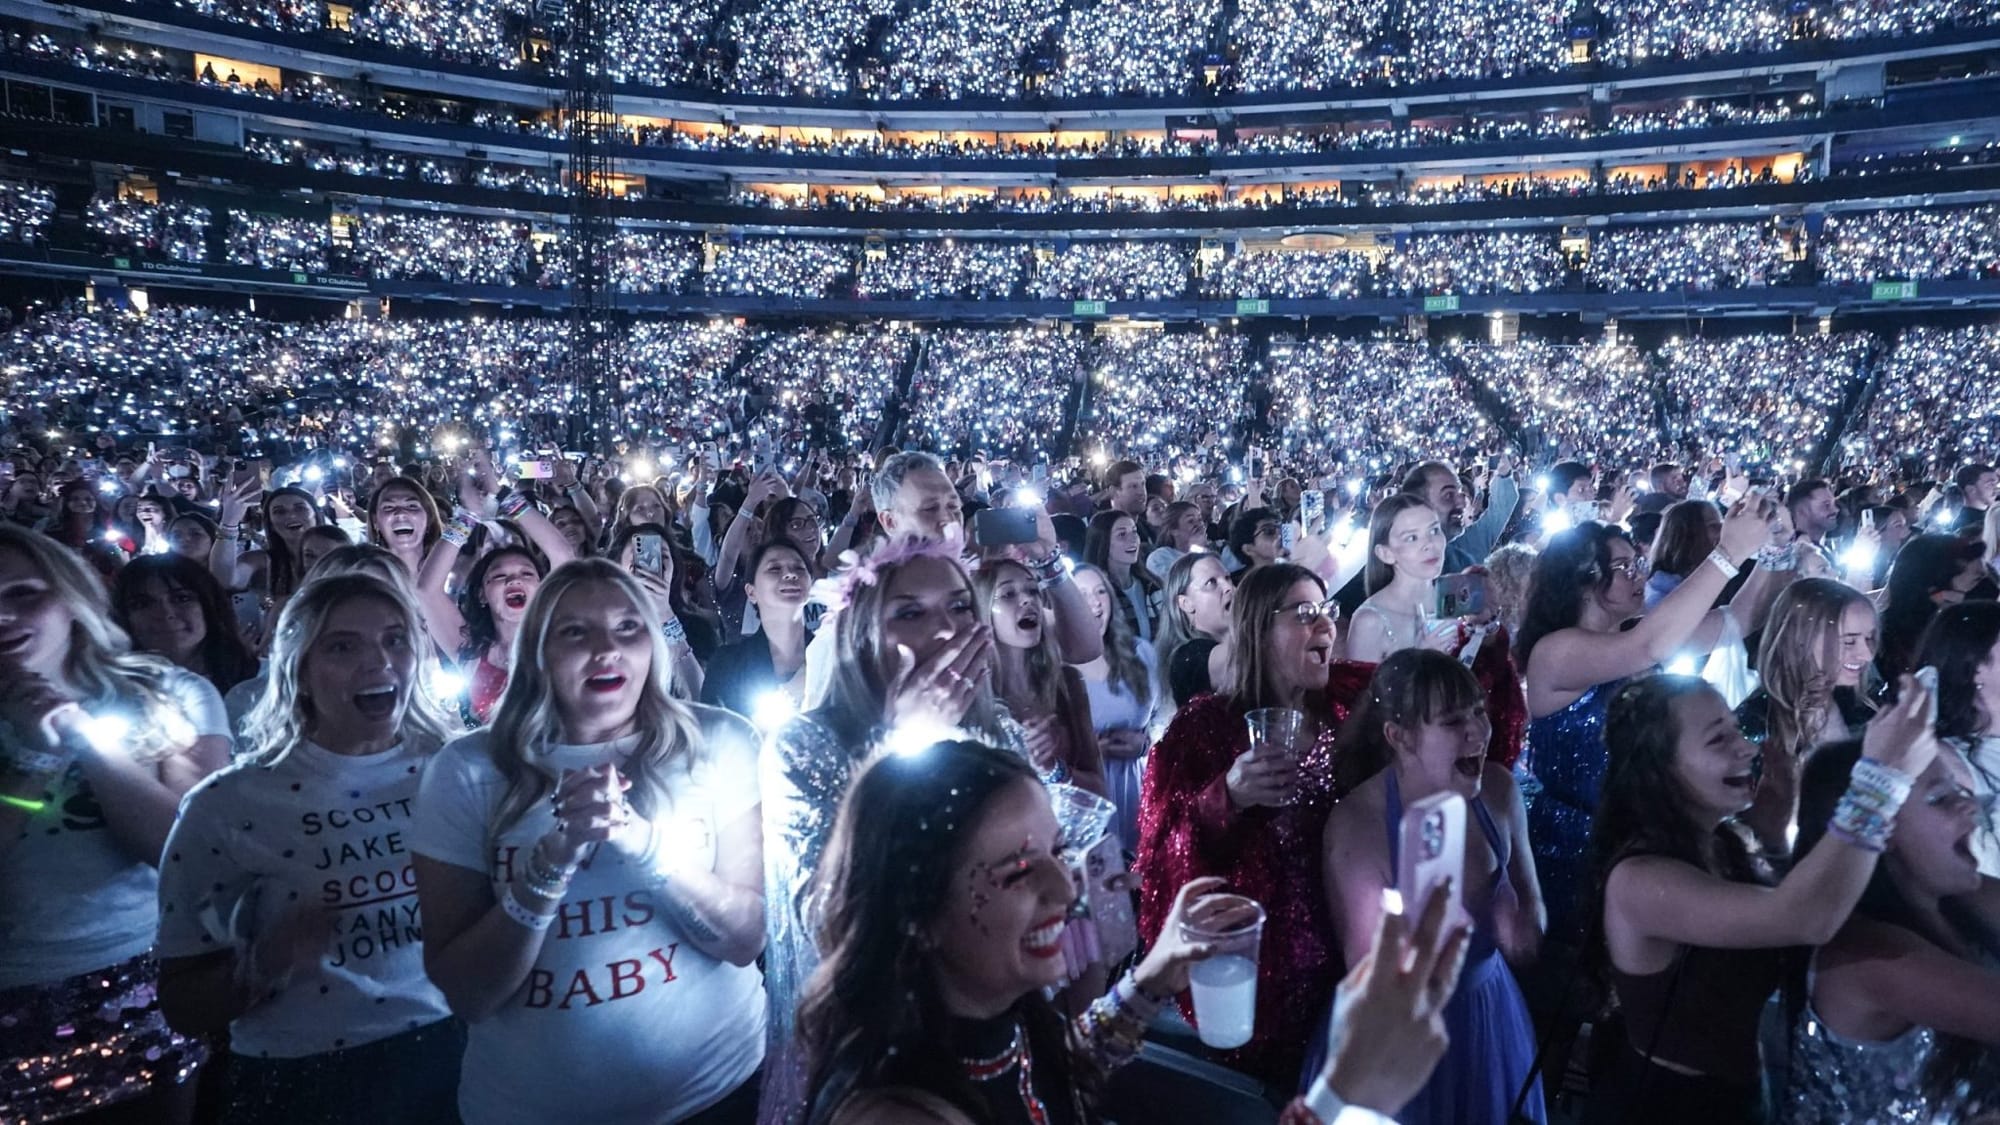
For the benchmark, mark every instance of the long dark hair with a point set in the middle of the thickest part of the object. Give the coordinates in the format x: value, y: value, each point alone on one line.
x: 871, y: 1016
x: 1824, y: 781
x: 1957, y: 641
x: 285, y: 573
x: 1570, y: 563
x: 1097, y: 552
x: 481, y: 630
x: 1925, y: 565
x: 1642, y: 807
x: 1683, y: 542
x: 226, y: 659
x: 1411, y: 687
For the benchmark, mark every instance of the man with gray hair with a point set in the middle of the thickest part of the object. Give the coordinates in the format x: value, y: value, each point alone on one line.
x: 914, y: 499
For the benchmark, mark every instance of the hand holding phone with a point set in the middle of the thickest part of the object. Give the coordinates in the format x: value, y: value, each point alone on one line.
x: 649, y: 554
x: 1431, y: 849
x: 999, y: 527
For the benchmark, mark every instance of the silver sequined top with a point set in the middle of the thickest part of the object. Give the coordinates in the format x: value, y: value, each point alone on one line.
x: 1835, y: 1080
x: 804, y: 771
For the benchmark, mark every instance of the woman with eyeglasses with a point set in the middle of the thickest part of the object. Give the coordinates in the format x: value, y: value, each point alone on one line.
x: 1211, y: 805
x: 1576, y: 650
x: 1898, y: 1017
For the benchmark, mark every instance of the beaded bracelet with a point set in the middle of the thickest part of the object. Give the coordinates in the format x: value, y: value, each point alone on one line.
x: 546, y: 881
x: 523, y: 915
x: 1866, y: 814
x: 457, y: 531
x: 1058, y: 775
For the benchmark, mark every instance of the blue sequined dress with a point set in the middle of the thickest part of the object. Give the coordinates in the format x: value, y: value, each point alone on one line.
x: 1559, y: 774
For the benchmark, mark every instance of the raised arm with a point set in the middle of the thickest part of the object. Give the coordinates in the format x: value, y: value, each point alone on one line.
x: 224, y: 557
x: 1573, y: 659
x: 1657, y: 899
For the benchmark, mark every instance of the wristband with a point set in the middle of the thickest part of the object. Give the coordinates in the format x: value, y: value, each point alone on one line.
x: 523, y: 915
x: 674, y: 631
x: 1866, y: 814
x: 457, y: 531
x: 1058, y: 775
x: 514, y: 505
x: 1722, y: 563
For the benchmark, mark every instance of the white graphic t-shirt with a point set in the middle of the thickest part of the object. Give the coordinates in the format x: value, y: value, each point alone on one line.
x: 642, y: 1027
x: 332, y: 832
x: 71, y: 899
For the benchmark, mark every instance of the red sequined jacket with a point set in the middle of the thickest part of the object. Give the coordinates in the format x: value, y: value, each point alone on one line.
x: 1187, y: 830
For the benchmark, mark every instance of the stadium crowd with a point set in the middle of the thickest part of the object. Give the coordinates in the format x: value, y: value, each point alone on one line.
x: 721, y: 733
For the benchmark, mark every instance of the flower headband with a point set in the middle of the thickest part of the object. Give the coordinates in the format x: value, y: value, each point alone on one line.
x: 844, y: 583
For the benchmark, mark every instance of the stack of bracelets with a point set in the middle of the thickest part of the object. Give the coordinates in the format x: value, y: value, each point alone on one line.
x: 1866, y: 814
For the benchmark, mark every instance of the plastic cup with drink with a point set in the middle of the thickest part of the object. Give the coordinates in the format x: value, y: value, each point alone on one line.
x: 1224, y: 986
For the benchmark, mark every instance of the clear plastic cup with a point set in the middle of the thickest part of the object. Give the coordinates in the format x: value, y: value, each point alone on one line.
x: 1277, y: 731
x: 1225, y: 985
x: 1084, y: 816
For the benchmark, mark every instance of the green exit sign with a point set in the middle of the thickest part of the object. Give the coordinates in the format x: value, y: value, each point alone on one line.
x: 1253, y: 308
x: 1446, y: 303
x: 1089, y: 308
x: 1895, y: 290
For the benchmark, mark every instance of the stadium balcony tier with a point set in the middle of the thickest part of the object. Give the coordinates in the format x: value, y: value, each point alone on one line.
x: 500, y: 51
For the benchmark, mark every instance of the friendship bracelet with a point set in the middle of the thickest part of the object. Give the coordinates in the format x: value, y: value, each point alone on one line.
x: 457, y: 531
x: 523, y: 915
x: 1866, y: 814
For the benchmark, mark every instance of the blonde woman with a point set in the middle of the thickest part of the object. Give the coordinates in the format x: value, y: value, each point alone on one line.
x: 288, y: 910
x: 1816, y: 665
x: 1043, y: 694
x: 97, y: 747
x: 591, y: 877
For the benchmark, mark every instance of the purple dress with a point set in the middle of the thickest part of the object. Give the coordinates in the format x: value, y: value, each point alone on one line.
x: 1492, y: 1040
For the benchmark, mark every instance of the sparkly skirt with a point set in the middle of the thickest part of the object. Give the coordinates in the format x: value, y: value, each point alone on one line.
x: 88, y: 1041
